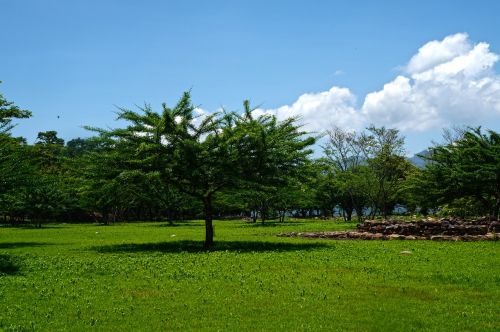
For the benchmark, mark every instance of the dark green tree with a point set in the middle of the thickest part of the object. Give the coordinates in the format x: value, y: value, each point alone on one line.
x: 203, y: 155
x: 465, y: 172
x: 8, y: 112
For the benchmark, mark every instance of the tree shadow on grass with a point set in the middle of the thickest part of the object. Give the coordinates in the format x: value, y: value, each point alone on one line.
x: 197, y: 246
x: 14, y: 245
x: 274, y: 223
x: 35, y: 227
x: 179, y: 224
x: 8, y: 265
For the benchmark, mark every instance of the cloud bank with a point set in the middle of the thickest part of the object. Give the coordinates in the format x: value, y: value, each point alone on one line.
x: 446, y: 82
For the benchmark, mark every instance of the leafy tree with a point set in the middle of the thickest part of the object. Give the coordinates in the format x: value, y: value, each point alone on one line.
x: 299, y: 194
x: 417, y: 193
x: 50, y: 191
x: 202, y: 156
x: 384, y: 152
x: 15, y: 174
x: 364, y: 171
x: 349, y: 182
x: 274, y: 157
x: 466, y: 172
x: 8, y: 112
x: 14, y: 168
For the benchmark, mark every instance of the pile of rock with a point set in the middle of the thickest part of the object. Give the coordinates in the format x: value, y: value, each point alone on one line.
x: 445, y: 229
x: 429, y: 227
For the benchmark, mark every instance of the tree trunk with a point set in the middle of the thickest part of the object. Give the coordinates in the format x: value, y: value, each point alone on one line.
x: 254, y: 216
x: 349, y: 214
x: 209, y: 228
x: 282, y: 215
x: 373, y: 211
x: 170, y: 217
x: 496, y: 211
x: 359, y: 213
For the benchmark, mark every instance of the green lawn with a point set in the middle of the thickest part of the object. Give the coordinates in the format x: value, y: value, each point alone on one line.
x: 150, y: 276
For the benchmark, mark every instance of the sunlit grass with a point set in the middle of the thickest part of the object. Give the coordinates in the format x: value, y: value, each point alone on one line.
x: 150, y: 276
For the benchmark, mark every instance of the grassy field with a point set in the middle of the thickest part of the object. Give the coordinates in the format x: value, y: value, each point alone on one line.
x: 150, y: 276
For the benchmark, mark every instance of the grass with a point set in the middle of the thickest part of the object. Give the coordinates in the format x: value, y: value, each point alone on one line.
x: 149, y: 276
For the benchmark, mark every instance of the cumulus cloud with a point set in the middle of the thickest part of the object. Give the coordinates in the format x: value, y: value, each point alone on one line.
x: 437, y: 52
x: 320, y: 110
x: 446, y: 82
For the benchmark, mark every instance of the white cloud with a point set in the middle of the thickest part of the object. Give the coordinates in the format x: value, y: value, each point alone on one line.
x: 318, y: 111
x: 447, y: 82
x: 463, y: 89
x: 437, y: 52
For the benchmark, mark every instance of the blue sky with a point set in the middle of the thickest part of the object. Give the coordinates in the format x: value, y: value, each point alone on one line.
x: 78, y: 59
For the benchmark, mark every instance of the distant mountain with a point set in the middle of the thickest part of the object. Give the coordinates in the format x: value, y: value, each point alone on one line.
x: 419, y: 161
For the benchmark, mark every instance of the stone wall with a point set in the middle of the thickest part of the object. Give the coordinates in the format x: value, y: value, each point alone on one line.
x: 429, y: 227
x: 445, y: 229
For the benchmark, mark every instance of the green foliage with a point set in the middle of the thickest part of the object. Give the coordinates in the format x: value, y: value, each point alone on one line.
x: 363, y: 172
x: 184, y: 163
x: 465, y: 173
x: 201, y: 156
x: 7, y: 265
x: 8, y: 112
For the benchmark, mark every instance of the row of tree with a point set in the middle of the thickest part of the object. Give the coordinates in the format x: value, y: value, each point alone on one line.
x: 173, y: 164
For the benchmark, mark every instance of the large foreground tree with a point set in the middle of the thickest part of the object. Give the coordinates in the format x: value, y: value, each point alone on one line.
x: 201, y: 154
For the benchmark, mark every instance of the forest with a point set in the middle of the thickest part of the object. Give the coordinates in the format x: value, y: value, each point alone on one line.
x: 173, y: 164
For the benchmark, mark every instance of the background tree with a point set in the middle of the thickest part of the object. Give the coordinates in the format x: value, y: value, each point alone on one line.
x: 349, y: 180
x: 466, y: 172
x: 14, y: 166
x: 384, y: 152
x: 8, y: 112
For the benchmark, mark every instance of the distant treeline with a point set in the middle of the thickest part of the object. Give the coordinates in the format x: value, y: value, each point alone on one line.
x: 173, y: 164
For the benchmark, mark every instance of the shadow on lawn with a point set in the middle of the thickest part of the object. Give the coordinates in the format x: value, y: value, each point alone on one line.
x: 179, y: 224
x: 35, y: 227
x: 14, y: 245
x: 274, y: 223
x: 8, y: 265
x: 197, y: 246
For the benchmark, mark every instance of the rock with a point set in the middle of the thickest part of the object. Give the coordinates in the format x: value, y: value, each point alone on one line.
x: 444, y: 229
x: 494, y: 226
x: 491, y: 237
x: 405, y: 252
